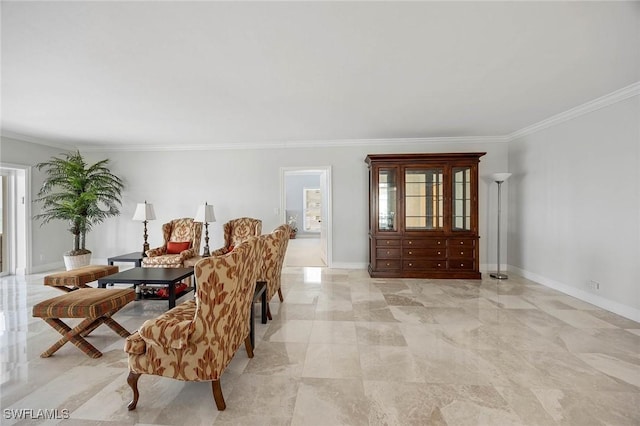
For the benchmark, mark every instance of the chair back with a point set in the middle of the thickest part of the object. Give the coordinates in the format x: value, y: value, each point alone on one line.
x: 238, y: 230
x: 182, y: 230
x: 225, y: 287
x: 273, y: 252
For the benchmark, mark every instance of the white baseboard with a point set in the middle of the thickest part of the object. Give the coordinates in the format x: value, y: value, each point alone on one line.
x: 347, y: 265
x: 599, y: 301
x: 47, y: 267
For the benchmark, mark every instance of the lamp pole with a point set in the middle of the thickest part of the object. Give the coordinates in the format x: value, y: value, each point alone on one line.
x: 145, y: 246
x: 499, y: 178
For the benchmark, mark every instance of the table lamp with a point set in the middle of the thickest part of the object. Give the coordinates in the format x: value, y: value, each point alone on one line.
x: 205, y: 215
x: 144, y: 212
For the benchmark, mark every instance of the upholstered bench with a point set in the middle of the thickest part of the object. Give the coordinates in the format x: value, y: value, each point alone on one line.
x: 95, y: 305
x: 79, y: 277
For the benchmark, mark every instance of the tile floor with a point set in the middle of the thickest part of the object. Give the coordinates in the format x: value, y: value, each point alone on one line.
x: 345, y: 349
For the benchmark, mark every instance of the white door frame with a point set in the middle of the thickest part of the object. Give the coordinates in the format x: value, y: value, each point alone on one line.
x: 18, y: 218
x: 326, y: 232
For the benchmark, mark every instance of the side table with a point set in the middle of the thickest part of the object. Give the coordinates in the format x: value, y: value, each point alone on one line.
x: 260, y: 293
x: 135, y: 257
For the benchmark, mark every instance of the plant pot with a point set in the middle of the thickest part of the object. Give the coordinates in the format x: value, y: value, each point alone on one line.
x: 76, y: 261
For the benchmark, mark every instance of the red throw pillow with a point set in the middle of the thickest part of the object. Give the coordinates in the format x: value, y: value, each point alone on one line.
x: 174, y: 247
x: 164, y: 291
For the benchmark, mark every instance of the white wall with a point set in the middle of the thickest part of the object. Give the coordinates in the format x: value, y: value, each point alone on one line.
x: 240, y: 183
x: 575, y: 209
x: 246, y: 183
x: 48, y: 242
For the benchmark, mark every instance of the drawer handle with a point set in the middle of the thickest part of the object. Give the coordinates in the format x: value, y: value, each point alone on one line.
x: 438, y: 252
x: 462, y: 264
x: 388, y: 252
x: 388, y: 241
x: 410, y: 252
x: 438, y: 242
x: 411, y: 264
x: 438, y: 265
x: 461, y: 252
x: 410, y: 242
x: 461, y: 242
x: 388, y: 264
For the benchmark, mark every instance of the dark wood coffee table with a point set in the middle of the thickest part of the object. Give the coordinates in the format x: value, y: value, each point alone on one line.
x: 158, y: 276
x: 135, y: 257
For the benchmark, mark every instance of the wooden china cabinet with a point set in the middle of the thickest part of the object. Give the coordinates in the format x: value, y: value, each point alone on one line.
x: 423, y: 215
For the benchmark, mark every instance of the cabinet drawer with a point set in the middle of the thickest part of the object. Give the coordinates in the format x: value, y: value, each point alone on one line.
x: 421, y: 252
x: 461, y: 264
x: 388, y: 253
x: 424, y: 265
x: 387, y: 264
x: 461, y: 252
x: 462, y: 242
x: 387, y: 242
x: 424, y: 242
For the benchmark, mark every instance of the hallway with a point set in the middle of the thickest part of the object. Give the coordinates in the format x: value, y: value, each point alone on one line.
x: 303, y: 252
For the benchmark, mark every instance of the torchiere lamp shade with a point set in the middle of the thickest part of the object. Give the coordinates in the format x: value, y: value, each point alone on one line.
x: 500, y: 177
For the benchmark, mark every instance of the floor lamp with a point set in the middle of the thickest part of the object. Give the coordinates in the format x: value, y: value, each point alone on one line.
x: 144, y: 212
x: 499, y: 178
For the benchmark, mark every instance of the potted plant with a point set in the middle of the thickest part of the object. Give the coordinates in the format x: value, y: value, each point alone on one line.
x: 293, y: 223
x: 80, y: 194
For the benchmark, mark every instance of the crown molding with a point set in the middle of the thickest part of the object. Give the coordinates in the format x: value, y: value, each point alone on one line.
x: 601, y: 102
x: 596, y: 104
x: 298, y: 144
x: 38, y: 141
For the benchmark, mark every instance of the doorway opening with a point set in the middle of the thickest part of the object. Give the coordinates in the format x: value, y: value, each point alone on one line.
x: 306, y: 202
x: 14, y: 213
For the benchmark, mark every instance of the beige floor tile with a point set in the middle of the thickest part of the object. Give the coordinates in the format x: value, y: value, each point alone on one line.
x: 346, y: 349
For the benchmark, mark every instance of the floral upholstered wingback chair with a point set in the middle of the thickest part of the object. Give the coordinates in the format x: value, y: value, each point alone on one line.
x: 273, y: 252
x: 181, y: 242
x: 238, y: 230
x: 196, y: 340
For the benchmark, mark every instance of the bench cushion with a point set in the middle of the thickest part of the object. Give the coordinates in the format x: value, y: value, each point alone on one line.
x: 79, y: 277
x: 84, y: 303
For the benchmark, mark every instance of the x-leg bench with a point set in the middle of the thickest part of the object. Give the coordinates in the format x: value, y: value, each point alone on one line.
x: 95, y: 305
x: 80, y: 277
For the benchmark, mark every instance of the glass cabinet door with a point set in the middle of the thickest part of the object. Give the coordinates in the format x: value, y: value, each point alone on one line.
x: 461, y: 208
x: 387, y: 199
x: 423, y: 206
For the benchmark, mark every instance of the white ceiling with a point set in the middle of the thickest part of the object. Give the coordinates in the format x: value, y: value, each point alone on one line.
x: 140, y: 73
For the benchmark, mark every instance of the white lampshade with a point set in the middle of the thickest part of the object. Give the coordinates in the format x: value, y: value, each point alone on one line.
x: 205, y: 214
x: 500, y: 177
x: 144, y: 211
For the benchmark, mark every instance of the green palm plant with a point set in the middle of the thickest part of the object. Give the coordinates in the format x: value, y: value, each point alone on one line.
x: 79, y: 194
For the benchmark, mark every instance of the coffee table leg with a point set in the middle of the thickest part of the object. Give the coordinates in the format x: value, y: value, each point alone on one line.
x: 172, y: 295
x: 264, y: 306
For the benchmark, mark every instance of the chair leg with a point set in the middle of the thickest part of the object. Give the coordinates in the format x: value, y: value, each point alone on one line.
x: 248, y: 346
x: 280, y: 295
x: 132, y: 380
x: 269, y: 312
x: 217, y: 395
